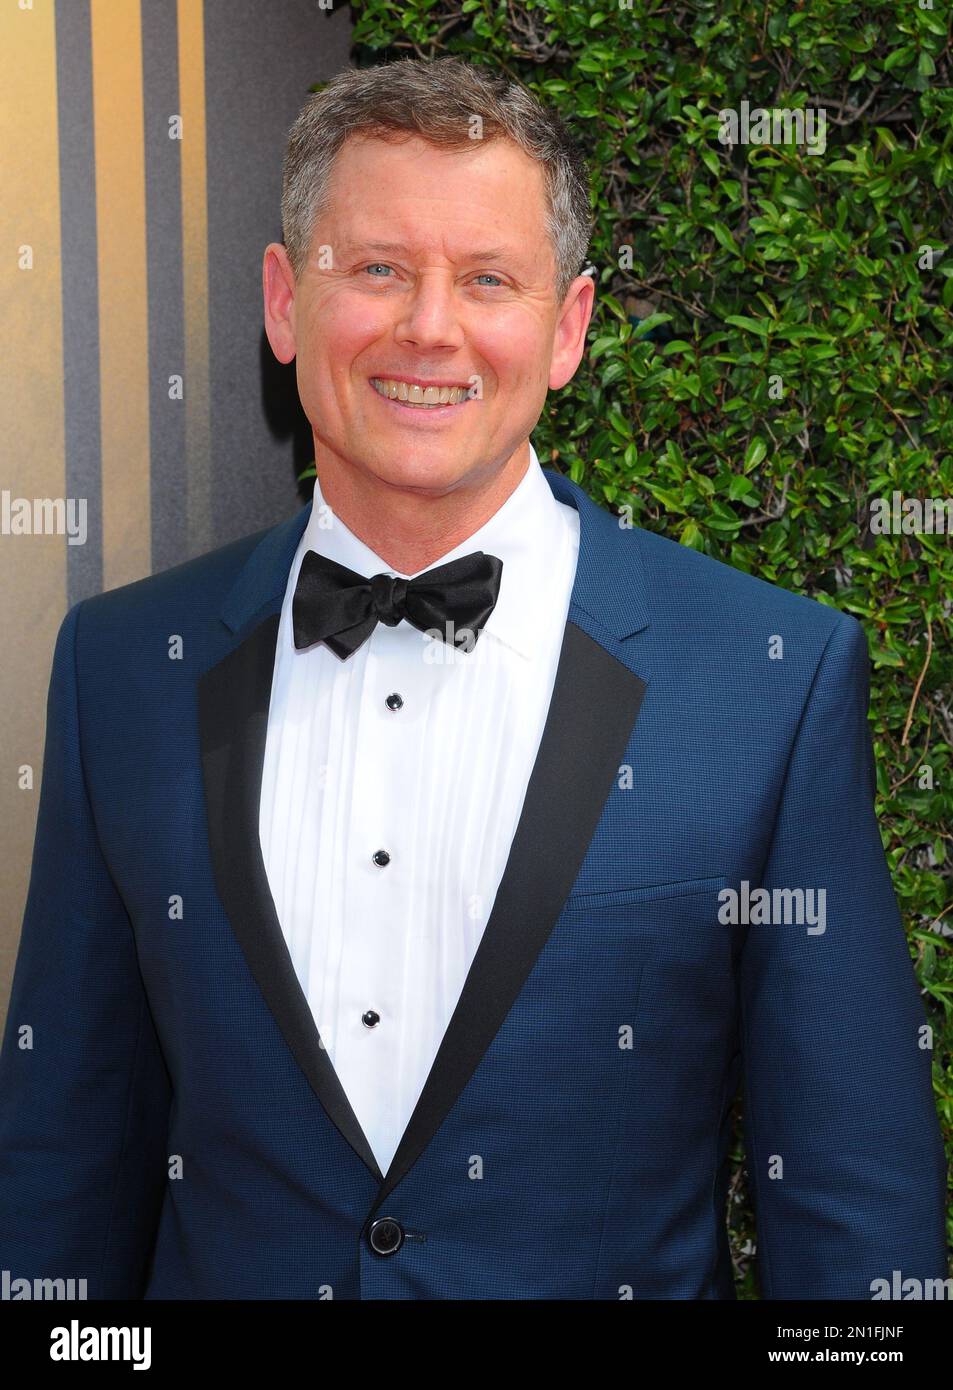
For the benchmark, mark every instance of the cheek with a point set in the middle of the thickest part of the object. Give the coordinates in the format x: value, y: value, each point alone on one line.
x: 337, y: 333
x: 514, y: 346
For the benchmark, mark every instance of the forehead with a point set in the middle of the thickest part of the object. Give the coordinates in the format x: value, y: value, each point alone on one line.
x: 389, y: 195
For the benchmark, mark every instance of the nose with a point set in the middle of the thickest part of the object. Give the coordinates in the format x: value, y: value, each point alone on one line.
x: 429, y: 315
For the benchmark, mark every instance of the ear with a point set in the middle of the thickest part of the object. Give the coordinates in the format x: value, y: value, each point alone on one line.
x: 570, y: 338
x: 278, y: 287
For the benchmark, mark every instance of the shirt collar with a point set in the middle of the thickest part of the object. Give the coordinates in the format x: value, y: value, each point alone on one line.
x: 524, y: 533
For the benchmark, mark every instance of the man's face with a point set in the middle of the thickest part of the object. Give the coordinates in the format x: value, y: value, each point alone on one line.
x: 436, y: 266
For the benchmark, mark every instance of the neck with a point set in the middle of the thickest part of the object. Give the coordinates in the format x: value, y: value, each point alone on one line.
x: 411, y: 530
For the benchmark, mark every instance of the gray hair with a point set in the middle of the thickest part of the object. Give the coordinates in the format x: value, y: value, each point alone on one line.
x: 436, y: 101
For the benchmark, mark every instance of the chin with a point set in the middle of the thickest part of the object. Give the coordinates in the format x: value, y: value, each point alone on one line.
x: 417, y: 479
x: 438, y: 472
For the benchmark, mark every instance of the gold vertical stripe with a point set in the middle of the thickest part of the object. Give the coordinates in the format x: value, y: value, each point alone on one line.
x: 32, y: 439
x: 123, y: 293
x: 195, y: 274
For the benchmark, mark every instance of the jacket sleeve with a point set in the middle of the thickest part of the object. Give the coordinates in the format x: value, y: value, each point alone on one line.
x: 84, y: 1092
x: 844, y: 1148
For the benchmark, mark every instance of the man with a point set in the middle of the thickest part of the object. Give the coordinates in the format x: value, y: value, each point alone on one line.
x: 416, y: 882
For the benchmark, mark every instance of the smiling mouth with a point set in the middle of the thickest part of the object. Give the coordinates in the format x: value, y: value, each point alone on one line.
x: 420, y: 397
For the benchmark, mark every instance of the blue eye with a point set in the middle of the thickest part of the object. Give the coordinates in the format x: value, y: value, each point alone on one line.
x: 488, y: 275
x: 377, y: 265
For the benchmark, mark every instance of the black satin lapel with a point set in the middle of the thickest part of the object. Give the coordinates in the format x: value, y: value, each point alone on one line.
x: 593, y: 710
x: 233, y: 720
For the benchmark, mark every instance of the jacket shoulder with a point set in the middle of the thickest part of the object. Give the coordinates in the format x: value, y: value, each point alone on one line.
x: 195, y: 588
x: 700, y: 591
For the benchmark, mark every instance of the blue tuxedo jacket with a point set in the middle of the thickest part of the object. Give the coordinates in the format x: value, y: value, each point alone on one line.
x: 171, y: 1126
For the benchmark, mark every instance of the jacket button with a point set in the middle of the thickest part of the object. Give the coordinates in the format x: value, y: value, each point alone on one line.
x: 385, y: 1236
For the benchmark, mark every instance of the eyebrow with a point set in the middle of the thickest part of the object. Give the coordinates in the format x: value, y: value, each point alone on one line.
x: 488, y: 253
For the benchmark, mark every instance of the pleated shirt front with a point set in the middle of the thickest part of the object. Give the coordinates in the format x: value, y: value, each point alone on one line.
x: 421, y: 751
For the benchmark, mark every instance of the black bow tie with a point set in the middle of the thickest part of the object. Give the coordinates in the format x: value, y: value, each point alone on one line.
x: 335, y: 605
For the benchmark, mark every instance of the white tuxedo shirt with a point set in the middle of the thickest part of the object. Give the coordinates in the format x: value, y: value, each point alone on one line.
x: 436, y: 779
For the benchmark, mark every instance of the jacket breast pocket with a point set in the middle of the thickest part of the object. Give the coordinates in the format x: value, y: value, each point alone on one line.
x: 649, y: 893
x: 667, y: 938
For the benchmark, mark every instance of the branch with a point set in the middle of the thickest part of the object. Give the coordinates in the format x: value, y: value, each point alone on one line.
x: 916, y: 689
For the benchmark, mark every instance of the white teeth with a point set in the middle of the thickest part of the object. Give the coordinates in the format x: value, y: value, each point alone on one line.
x: 423, y: 396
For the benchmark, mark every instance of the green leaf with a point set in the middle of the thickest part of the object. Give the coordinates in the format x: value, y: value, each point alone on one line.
x: 691, y: 535
x: 755, y: 452
x: 672, y: 501
x: 758, y: 326
x: 740, y: 488
x: 653, y: 321
x: 899, y: 57
x: 603, y: 345
x: 724, y: 237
